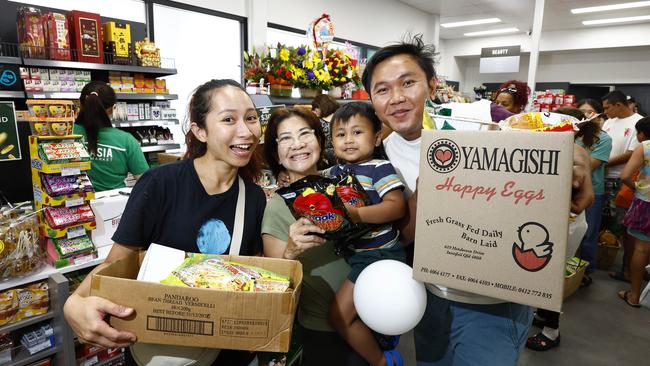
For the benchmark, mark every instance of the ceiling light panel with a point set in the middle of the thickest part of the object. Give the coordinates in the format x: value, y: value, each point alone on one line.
x: 595, y: 9
x: 639, y: 18
x: 470, y: 22
x: 491, y: 32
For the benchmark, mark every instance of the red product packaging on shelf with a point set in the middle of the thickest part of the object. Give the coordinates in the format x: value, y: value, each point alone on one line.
x: 30, y: 32
x: 569, y: 99
x: 61, y: 217
x: 57, y: 36
x: 86, y: 36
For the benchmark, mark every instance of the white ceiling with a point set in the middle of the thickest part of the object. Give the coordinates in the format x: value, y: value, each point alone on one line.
x: 517, y: 13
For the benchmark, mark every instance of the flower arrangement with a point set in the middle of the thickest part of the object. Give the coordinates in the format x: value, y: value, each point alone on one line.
x: 254, y: 66
x: 342, y: 68
x: 310, y: 70
x: 280, y: 69
x: 302, y: 66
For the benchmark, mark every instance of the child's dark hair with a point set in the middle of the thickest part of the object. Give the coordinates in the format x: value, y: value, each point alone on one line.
x: 96, y: 97
x: 363, y: 109
x: 349, y: 110
x: 199, y: 107
x: 643, y: 125
x: 271, y: 134
x: 588, y: 130
x: 423, y: 54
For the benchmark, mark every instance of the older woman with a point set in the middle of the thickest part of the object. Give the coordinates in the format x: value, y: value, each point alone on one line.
x: 293, y: 141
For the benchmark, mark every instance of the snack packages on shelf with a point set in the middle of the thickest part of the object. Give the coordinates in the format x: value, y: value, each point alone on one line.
x: 540, y: 121
x: 57, y: 185
x: 62, y: 217
x: 62, y: 152
x: 33, y: 300
x: 63, y: 252
x: 21, y: 249
x: 211, y: 271
x: 8, y: 306
x: 51, y: 117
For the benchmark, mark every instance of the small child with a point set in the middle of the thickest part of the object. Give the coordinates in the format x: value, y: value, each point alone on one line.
x: 356, y: 133
x: 637, y: 218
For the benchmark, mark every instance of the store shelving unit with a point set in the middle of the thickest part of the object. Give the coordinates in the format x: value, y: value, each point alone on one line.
x: 138, y: 96
x: 294, y: 101
x: 12, y: 94
x: 153, y: 122
x: 24, y: 358
x: 160, y: 148
x: 63, y: 350
x: 154, y: 71
x: 47, y: 270
x: 10, y: 60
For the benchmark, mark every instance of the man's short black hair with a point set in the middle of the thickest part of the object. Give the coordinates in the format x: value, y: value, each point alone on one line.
x: 614, y: 97
x: 424, y: 55
x: 349, y: 110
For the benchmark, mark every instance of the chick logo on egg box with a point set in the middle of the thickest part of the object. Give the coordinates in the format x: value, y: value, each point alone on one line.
x: 493, y: 213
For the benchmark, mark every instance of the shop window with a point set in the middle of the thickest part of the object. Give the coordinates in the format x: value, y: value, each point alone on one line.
x: 203, y: 46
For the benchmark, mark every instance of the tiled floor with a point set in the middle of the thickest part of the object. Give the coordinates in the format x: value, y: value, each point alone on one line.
x: 597, y: 328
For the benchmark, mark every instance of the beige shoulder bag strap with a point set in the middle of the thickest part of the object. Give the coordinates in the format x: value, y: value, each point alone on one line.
x: 238, y: 226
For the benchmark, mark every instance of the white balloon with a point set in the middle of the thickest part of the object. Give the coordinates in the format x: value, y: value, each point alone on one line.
x: 388, y: 299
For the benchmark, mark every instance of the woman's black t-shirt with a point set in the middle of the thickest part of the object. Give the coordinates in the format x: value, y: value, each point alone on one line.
x: 169, y: 206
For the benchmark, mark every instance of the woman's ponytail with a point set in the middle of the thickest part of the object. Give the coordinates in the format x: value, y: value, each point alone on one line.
x: 96, y: 97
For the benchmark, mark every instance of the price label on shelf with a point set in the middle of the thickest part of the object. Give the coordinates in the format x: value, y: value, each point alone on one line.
x: 89, y: 362
x: 74, y: 202
x: 71, y: 170
x: 84, y: 259
x: 75, y: 232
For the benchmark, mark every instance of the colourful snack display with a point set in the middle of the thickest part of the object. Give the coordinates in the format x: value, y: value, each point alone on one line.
x: 62, y: 217
x: 68, y: 247
x: 56, y: 185
x: 62, y: 152
x: 53, y: 110
x: 350, y: 190
x: 211, y: 271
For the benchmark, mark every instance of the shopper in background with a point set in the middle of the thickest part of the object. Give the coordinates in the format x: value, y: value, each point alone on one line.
x: 593, y: 109
x: 513, y: 96
x: 458, y: 327
x: 188, y: 205
x: 637, y: 218
x: 324, y: 107
x: 292, y: 143
x: 598, y: 144
x: 115, y: 153
x: 620, y: 127
x: 635, y: 106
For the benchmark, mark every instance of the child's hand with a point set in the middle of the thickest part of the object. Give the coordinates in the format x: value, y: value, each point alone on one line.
x: 353, y: 212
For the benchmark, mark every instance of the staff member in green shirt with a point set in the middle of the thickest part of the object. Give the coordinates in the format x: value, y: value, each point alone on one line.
x: 114, y: 152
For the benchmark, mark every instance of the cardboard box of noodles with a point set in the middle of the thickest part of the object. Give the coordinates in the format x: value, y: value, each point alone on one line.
x: 492, y: 213
x: 199, y: 317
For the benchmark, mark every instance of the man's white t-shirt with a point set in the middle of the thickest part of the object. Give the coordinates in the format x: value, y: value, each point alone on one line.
x: 405, y: 157
x: 623, y: 135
